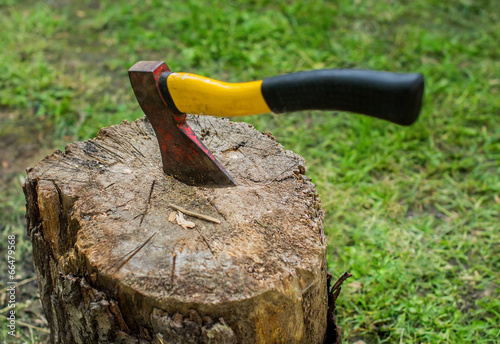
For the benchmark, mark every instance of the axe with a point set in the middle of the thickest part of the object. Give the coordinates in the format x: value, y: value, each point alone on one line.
x: 166, y: 97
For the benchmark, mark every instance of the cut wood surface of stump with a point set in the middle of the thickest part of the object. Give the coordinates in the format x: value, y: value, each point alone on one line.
x: 113, y: 268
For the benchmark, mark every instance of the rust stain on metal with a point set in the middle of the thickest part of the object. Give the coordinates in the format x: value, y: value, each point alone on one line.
x: 184, y: 156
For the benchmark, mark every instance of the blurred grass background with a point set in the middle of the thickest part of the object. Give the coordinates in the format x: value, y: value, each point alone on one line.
x: 413, y: 213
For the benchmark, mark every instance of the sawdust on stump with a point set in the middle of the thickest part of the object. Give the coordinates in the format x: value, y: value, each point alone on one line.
x: 113, y: 268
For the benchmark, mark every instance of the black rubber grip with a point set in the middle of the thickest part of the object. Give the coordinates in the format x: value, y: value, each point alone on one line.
x: 394, y: 97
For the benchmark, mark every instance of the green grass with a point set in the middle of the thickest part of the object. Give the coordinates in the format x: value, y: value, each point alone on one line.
x: 413, y: 213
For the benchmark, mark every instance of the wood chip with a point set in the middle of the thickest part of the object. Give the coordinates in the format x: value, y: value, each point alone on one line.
x: 172, y: 217
x: 192, y: 213
x: 183, y: 222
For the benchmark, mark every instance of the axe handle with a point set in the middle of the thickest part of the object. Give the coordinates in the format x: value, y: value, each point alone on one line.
x: 195, y: 94
x: 393, y: 97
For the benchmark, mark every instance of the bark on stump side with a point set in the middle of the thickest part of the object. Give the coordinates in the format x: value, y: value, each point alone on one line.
x: 113, y: 269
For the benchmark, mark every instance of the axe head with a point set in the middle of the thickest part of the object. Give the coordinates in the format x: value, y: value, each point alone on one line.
x: 184, y: 156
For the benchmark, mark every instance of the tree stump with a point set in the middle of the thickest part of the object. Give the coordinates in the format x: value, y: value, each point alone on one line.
x: 114, y: 268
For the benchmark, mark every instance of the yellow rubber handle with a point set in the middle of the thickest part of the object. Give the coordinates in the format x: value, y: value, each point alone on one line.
x: 200, y: 95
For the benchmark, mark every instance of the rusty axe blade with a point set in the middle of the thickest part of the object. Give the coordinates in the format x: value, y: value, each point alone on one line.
x: 184, y: 156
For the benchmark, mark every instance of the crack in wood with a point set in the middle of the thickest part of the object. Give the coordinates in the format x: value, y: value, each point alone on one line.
x: 147, y: 204
x: 133, y: 252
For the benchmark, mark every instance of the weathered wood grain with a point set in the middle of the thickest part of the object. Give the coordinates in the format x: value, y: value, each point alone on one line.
x: 112, y: 268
